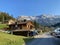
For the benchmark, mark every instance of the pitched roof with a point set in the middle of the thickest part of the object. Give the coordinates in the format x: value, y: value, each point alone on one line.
x: 21, y: 22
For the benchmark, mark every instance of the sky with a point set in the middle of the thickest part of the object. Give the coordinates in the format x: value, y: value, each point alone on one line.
x: 30, y: 7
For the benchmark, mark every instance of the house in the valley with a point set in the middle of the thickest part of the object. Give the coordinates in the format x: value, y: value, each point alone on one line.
x: 28, y: 25
x: 22, y: 26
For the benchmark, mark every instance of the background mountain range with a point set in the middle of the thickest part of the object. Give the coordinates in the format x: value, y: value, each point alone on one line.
x: 43, y: 19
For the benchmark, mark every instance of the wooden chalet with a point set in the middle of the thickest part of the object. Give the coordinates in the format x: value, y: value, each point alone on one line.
x: 27, y: 25
x: 21, y: 26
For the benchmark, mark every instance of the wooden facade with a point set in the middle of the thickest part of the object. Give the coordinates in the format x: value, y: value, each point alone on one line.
x: 27, y: 25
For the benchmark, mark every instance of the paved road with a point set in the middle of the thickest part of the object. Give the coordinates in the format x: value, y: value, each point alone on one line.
x: 44, y: 39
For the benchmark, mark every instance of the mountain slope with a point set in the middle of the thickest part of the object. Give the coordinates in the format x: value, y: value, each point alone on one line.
x: 48, y: 19
x: 4, y: 17
x: 43, y: 19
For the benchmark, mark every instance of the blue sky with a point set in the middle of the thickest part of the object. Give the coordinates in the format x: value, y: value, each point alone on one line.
x: 30, y: 7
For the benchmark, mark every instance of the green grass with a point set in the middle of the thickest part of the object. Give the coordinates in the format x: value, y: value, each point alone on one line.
x: 3, y: 26
x: 7, y: 39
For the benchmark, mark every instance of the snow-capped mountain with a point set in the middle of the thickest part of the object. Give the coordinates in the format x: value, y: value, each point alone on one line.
x: 43, y: 19
x: 26, y: 17
x: 48, y: 19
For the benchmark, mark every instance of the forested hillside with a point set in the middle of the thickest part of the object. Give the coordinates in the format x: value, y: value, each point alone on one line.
x: 5, y: 17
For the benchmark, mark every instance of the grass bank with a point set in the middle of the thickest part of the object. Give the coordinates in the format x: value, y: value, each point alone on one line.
x: 7, y: 39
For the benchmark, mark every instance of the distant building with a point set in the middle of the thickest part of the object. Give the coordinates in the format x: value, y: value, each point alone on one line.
x: 11, y: 21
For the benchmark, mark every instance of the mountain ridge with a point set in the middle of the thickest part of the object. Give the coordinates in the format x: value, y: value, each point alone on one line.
x: 43, y: 19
